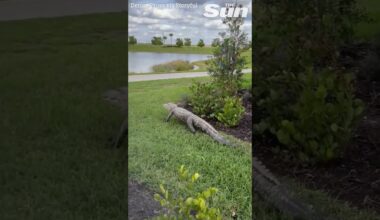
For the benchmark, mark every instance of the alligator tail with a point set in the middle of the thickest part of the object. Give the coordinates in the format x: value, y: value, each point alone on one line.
x: 220, y: 139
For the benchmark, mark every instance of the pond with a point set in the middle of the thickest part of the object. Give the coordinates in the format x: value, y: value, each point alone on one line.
x: 142, y: 62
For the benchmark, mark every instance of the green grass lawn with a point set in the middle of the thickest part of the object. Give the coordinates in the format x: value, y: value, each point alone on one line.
x: 157, y: 149
x: 54, y: 125
x: 369, y: 30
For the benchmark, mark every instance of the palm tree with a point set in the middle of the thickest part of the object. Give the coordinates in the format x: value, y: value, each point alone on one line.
x: 171, y: 37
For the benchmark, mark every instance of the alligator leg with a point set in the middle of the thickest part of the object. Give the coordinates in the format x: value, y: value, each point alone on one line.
x: 169, y: 116
x: 190, y: 124
x: 122, y: 133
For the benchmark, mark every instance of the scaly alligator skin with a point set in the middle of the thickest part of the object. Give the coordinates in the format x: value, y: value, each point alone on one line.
x: 264, y: 182
x: 193, y: 121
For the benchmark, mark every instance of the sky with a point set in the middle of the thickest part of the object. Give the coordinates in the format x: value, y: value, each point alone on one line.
x: 148, y: 18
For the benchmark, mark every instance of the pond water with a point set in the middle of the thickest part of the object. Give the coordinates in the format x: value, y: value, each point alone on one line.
x: 142, y: 62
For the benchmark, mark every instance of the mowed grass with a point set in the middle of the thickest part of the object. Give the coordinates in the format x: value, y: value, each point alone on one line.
x: 54, y: 125
x: 157, y: 149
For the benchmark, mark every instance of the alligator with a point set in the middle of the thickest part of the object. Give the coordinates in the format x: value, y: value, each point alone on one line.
x: 266, y: 185
x: 193, y: 120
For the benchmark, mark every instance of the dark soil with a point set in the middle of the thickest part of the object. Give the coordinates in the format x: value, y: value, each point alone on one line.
x: 141, y: 204
x: 355, y: 177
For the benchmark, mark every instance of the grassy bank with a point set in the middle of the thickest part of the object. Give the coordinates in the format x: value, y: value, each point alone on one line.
x: 166, y: 49
x: 156, y: 149
x: 54, y: 126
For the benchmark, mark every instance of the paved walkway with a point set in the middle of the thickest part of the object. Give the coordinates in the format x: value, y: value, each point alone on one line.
x: 25, y: 9
x: 137, y: 78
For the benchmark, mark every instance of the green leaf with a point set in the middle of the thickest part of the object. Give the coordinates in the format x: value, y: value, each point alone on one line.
x: 334, y: 127
x: 162, y: 189
x: 195, y: 177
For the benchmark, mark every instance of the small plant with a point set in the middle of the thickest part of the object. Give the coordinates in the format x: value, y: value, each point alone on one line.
x: 232, y: 112
x: 184, y: 203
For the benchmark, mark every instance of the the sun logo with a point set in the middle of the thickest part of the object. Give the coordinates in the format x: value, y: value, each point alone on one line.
x: 213, y: 10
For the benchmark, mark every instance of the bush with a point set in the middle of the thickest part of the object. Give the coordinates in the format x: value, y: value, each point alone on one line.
x: 177, y: 65
x: 311, y: 115
x: 205, y: 99
x: 232, y: 112
x: 184, y: 203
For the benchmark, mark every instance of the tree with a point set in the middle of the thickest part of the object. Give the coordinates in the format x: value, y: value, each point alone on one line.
x: 187, y: 42
x: 132, y: 40
x: 227, y: 63
x: 179, y: 42
x: 201, y: 43
x: 164, y: 39
x: 171, y: 39
x: 157, y: 41
x: 215, y: 42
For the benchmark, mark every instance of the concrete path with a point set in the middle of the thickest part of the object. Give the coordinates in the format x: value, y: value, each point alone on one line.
x: 25, y: 9
x: 137, y: 78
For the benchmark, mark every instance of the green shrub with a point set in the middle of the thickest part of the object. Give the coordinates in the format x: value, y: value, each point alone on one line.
x: 206, y: 99
x: 291, y: 35
x: 184, y: 203
x: 177, y: 65
x: 312, y: 115
x: 232, y: 112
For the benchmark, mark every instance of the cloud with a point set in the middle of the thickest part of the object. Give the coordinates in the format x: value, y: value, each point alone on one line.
x: 142, y: 20
x: 215, y: 24
x: 161, y: 27
x: 146, y: 22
